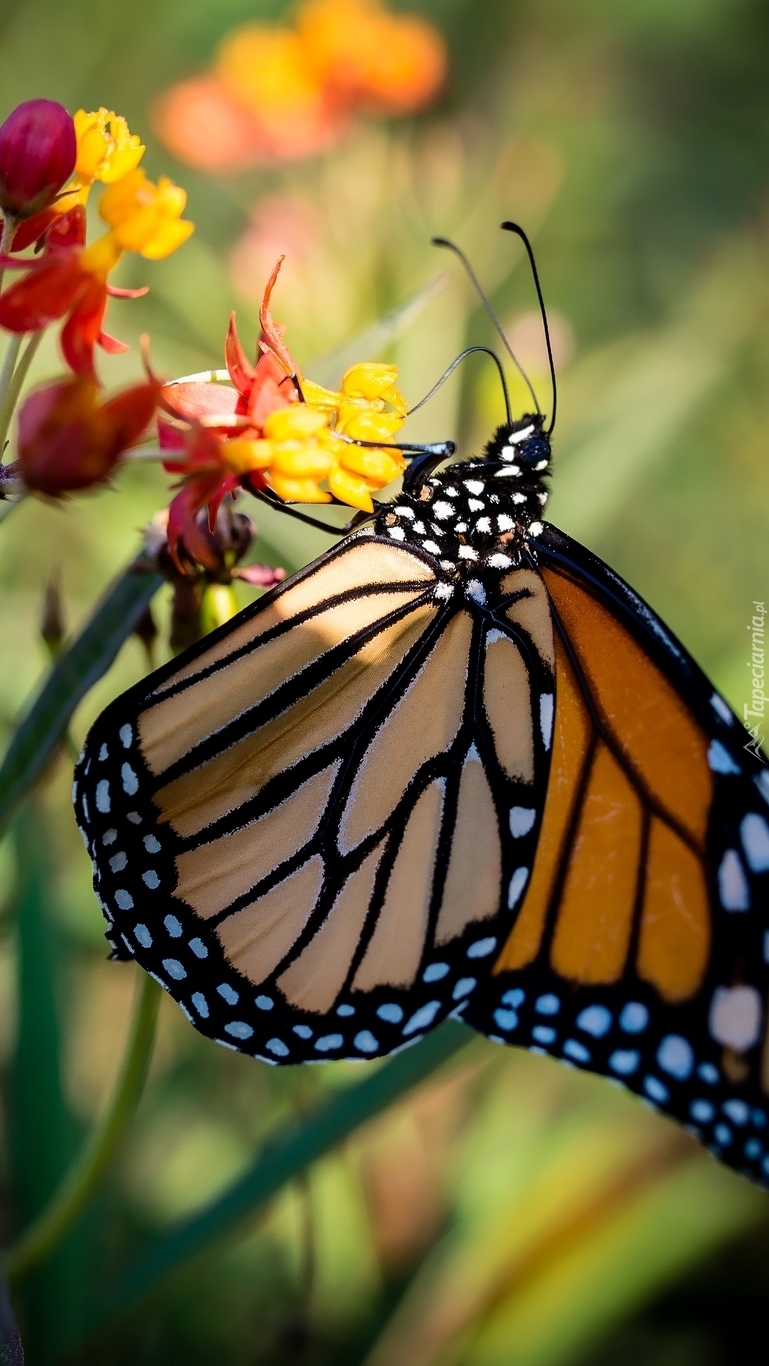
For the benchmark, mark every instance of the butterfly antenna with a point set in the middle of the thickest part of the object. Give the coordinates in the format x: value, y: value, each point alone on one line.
x: 519, y: 232
x: 490, y: 309
x: 468, y: 351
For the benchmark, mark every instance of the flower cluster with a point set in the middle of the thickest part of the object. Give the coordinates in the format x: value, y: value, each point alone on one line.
x: 259, y: 426
x: 277, y: 93
x: 272, y: 429
x: 69, y: 280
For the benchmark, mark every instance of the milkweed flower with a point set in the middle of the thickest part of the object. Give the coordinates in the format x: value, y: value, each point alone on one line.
x: 276, y: 94
x: 71, y: 280
x: 364, y: 55
x: 68, y: 440
x: 37, y: 156
x: 106, y: 151
x: 272, y: 429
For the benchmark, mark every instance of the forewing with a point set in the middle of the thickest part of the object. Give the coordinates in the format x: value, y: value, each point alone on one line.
x: 640, y: 946
x: 296, y: 827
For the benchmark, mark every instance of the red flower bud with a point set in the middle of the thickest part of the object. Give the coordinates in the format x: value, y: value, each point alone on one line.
x: 38, y: 150
x: 68, y: 441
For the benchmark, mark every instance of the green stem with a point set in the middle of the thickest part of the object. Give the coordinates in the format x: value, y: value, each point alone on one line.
x: 9, y: 398
x: 69, y: 1201
x: 9, y: 362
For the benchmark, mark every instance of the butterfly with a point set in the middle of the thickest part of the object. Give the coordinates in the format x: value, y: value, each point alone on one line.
x: 455, y: 767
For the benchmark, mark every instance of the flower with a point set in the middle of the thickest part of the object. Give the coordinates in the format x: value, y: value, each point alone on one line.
x: 279, y: 93
x: 106, y: 151
x: 67, y: 440
x: 386, y: 63
x: 258, y: 435
x: 37, y: 156
x: 70, y: 280
x: 144, y: 217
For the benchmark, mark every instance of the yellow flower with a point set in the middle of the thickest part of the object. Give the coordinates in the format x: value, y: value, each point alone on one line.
x: 145, y: 217
x: 106, y: 148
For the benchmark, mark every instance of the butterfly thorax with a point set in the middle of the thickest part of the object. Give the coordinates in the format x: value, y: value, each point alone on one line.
x: 478, y: 515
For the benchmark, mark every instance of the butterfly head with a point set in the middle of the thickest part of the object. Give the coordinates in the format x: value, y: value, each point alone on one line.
x: 521, y: 447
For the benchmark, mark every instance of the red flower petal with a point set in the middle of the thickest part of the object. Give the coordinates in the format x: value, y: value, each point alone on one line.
x: 271, y: 333
x: 82, y: 329
x: 112, y: 345
x: 242, y: 372
x: 196, y: 400
x: 46, y: 293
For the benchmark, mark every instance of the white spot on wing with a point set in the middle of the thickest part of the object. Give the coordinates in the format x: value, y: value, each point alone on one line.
x: 720, y: 760
x: 722, y: 709
x: 735, y: 1017
x: 733, y: 886
x: 522, y: 819
x: 546, y: 717
x: 754, y: 833
x: 517, y: 883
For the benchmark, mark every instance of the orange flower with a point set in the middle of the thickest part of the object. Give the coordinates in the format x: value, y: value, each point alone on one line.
x: 70, y: 281
x: 390, y: 64
x: 258, y: 435
x: 278, y: 94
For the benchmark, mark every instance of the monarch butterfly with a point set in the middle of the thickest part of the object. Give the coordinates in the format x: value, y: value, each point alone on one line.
x: 454, y: 767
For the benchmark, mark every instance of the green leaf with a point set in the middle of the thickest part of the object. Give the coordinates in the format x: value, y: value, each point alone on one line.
x: 40, y: 1130
x: 78, y: 667
x: 288, y: 1155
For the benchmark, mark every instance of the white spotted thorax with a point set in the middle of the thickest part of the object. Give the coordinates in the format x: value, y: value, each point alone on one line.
x: 479, y: 514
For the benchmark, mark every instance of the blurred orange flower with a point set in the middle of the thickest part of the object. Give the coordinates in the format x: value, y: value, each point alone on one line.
x: 279, y: 94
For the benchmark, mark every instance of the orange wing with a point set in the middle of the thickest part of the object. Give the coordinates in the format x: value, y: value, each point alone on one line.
x: 640, y: 947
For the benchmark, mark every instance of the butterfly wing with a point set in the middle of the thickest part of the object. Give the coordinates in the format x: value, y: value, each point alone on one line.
x: 295, y: 827
x: 640, y: 948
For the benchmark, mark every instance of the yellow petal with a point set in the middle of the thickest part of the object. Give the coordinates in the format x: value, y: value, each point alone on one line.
x: 366, y: 425
x: 318, y: 397
x: 167, y: 239
x: 241, y: 456
x: 369, y: 379
x: 378, y: 466
x: 351, y: 489
x: 102, y: 255
x: 396, y: 400
x: 91, y: 150
x: 298, y: 490
x: 306, y: 461
x: 295, y: 421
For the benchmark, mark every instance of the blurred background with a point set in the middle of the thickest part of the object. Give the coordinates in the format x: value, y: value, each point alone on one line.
x: 511, y: 1212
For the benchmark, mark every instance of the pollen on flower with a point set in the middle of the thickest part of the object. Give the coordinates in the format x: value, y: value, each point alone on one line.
x: 106, y: 148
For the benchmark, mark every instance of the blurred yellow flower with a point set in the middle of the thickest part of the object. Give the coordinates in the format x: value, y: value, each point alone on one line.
x: 145, y: 217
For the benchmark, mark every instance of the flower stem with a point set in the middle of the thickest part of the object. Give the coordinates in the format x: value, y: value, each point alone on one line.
x: 9, y: 362
x: 78, y: 1184
x: 9, y: 397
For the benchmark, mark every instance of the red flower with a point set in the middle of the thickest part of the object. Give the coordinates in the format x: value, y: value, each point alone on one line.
x: 212, y: 420
x: 69, y: 281
x: 69, y: 441
x: 38, y: 149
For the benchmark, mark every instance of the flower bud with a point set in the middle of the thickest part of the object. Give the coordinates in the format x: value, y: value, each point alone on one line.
x: 37, y: 156
x: 68, y: 441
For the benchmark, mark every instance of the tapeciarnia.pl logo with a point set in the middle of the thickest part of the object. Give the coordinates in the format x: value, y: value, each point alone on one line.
x: 755, y: 710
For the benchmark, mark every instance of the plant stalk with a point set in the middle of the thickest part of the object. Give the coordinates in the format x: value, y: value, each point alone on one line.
x: 9, y: 397
x: 68, y: 1202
